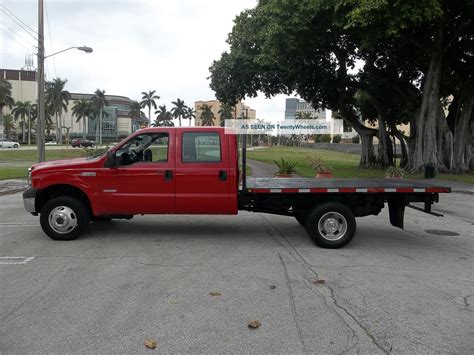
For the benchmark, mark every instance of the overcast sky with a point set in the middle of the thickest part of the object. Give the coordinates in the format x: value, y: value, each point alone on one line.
x: 138, y: 45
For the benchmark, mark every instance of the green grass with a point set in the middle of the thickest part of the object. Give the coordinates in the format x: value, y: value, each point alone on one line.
x: 343, y: 165
x: 14, y: 164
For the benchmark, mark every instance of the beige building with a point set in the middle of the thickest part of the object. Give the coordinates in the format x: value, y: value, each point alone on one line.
x: 117, y: 122
x: 240, y: 110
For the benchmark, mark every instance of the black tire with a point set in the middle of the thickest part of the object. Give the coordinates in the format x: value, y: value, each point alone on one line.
x: 73, y: 218
x: 331, y: 225
x: 301, y: 218
x: 15, y: 146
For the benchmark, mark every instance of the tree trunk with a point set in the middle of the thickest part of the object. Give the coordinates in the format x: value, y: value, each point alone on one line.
x: 444, y: 142
x: 425, y: 145
x: 23, y: 130
x: 100, y: 126
x: 84, y: 128
x: 462, y: 136
x: 29, y: 128
x: 385, y: 149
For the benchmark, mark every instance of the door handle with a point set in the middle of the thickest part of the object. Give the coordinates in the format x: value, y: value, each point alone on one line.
x: 168, y: 175
x: 222, y: 175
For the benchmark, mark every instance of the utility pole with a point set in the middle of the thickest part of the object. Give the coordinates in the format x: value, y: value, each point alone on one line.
x: 41, y: 108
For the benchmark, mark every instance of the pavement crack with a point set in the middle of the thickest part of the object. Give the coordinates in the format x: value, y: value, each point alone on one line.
x: 467, y: 305
x: 353, y: 332
x: 293, y: 304
x: 290, y: 247
x: 354, y: 318
x: 427, y: 272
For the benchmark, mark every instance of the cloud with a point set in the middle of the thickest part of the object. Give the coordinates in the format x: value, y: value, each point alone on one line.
x: 160, y: 45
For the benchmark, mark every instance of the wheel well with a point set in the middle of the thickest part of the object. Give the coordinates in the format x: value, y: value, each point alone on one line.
x: 61, y: 190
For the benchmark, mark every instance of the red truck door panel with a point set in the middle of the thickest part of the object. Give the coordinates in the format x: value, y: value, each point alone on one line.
x: 202, y: 172
x: 146, y: 186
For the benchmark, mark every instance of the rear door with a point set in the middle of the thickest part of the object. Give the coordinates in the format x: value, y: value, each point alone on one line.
x: 202, y: 172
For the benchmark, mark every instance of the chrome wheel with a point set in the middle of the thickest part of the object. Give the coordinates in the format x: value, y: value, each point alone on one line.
x: 332, y: 226
x: 62, y: 219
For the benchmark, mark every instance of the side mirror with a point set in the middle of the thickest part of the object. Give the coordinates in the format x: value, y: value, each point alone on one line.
x: 110, y: 160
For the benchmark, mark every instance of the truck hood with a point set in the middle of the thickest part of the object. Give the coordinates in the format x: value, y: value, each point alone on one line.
x: 75, y: 163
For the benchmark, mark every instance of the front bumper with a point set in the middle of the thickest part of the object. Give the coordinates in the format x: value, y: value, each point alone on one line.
x: 29, y: 197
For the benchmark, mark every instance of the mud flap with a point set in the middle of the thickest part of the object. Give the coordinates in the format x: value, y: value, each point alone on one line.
x: 396, y: 210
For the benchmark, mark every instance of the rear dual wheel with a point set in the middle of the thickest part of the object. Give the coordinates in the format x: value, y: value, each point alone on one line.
x: 331, y: 225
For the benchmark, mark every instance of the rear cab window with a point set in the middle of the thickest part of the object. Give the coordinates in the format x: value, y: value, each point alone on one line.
x: 201, y: 147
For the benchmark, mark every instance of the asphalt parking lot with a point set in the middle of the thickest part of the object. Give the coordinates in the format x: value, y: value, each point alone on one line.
x: 390, y: 290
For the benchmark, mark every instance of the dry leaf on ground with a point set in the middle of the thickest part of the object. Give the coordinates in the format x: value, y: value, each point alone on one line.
x: 150, y: 344
x: 254, y: 324
x: 318, y: 281
x: 215, y: 293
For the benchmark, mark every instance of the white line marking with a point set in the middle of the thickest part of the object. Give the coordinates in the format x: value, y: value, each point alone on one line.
x: 418, y: 190
x: 333, y: 190
x: 361, y: 190
x: 275, y: 190
x: 15, y: 260
x: 390, y: 190
x: 304, y: 190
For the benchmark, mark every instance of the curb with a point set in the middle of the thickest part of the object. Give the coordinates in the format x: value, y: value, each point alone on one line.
x: 9, y: 192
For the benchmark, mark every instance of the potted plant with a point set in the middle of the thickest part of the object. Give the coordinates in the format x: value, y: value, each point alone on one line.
x: 394, y: 173
x: 285, y: 168
x: 321, y: 169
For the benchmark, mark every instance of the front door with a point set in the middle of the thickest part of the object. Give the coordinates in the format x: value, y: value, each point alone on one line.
x: 143, y: 181
x: 202, y: 172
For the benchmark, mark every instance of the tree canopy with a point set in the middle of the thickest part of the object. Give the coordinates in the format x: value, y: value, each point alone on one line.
x: 385, y: 61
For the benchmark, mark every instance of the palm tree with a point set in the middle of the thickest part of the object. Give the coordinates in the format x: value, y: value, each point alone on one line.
x: 57, y: 99
x: 22, y: 110
x: 48, y: 123
x: 164, y: 118
x: 82, y: 109
x: 99, y: 101
x: 148, y: 100
x: 207, y: 116
x: 225, y: 113
x: 8, y: 124
x: 6, y: 98
x: 33, y: 114
x: 179, y: 109
x: 190, y: 114
x: 136, y: 110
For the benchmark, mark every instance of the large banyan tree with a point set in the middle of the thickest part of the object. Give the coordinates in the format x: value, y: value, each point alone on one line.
x: 387, y: 61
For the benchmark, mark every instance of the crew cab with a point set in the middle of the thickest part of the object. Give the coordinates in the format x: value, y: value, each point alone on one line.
x: 195, y: 170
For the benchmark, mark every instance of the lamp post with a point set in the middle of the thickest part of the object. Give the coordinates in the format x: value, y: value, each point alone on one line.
x: 40, y: 141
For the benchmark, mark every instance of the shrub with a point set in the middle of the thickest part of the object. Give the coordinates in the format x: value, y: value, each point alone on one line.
x: 337, y: 138
x: 394, y: 172
x: 91, y: 152
x: 317, y: 164
x: 356, y: 139
x: 286, y: 167
x: 325, y: 138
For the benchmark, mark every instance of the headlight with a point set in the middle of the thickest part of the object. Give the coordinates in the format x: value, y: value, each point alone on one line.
x: 29, y: 176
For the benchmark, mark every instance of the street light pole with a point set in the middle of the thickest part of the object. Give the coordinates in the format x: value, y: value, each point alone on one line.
x: 40, y: 141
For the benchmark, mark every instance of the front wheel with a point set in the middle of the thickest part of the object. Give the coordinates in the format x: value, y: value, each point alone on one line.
x: 331, y: 225
x: 64, y: 218
x: 15, y: 146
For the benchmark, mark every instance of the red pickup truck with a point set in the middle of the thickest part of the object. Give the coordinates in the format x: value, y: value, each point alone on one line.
x: 196, y: 171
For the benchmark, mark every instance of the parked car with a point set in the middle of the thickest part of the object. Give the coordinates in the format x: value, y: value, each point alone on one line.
x: 6, y: 143
x: 81, y: 142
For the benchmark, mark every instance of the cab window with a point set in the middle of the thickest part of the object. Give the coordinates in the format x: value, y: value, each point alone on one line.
x: 198, y: 147
x: 150, y: 148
